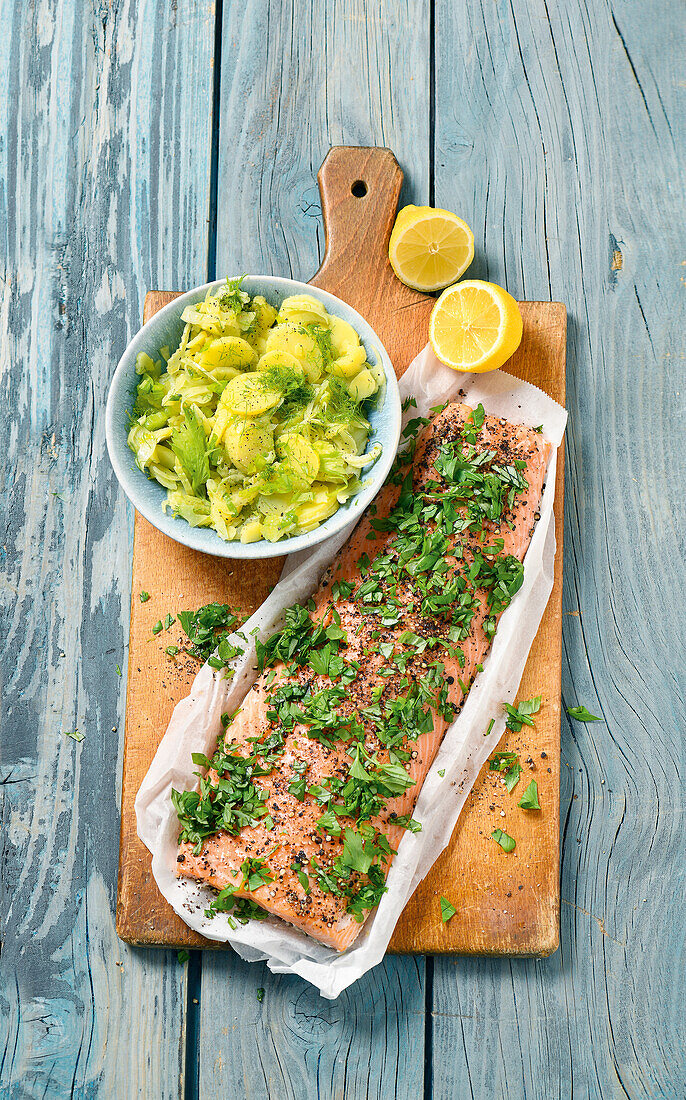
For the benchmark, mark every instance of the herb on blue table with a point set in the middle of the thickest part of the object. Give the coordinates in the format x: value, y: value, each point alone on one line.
x: 183, y: 955
x: 75, y: 735
x: 260, y: 995
x: 582, y: 715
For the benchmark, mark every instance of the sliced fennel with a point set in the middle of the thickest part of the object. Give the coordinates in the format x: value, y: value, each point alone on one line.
x: 255, y: 424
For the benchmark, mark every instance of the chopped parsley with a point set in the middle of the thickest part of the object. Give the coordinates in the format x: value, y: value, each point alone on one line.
x: 520, y: 714
x: 529, y: 800
x: 582, y: 715
x: 75, y: 735
x: 507, y: 763
x: 208, y: 629
x: 144, y: 597
x: 507, y: 843
x: 183, y: 955
x: 448, y: 910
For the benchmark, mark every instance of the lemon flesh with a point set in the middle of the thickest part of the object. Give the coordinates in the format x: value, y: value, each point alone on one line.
x: 430, y: 248
x: 475, y: 326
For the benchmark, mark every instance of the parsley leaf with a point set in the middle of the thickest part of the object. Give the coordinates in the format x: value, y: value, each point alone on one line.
x: 208, y: 628
x: 529, y: 800
x: 183, y: 955
x: 508, y: 764
x: 520, y: 714
x: 507, y: 843
x: 75, y: 735
x: 189, y: 444
x: 448, y: 910
x: 582, y: 715
x: 144, y: 597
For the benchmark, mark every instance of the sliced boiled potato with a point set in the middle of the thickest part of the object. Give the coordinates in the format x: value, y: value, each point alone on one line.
x: 249, y: 396
x: 246, y: 441
x: 277, y: 358
x: 293, y: 339
x: 349, y: 364
x: 265, y: 314
x: 314, y: 512
x: 301, y: 456
x: 363, y: 386
x: 343, y: 336
x: 251, y: 531
x: 228, y: 351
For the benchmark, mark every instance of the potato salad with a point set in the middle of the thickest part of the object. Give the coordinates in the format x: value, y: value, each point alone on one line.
x: 255, y: 425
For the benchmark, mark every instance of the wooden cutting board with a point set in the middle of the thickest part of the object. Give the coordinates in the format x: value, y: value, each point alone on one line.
x: 507, y: 904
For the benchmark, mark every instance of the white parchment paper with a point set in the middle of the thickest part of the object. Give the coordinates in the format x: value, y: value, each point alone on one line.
x: 196, y: 720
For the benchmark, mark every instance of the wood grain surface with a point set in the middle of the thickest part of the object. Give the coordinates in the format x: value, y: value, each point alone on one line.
x: 97, y: 105
x: 505, y: 905
x: 557, y: 131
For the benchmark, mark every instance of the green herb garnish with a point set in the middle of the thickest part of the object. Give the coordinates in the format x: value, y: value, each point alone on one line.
x: 507, y: 843
x: 448, y: 910
x: 529, y: 800
x: 520, y: 714
x: 582, y: 715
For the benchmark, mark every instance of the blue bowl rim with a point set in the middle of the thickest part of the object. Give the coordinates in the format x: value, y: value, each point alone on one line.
x: 206, y: 540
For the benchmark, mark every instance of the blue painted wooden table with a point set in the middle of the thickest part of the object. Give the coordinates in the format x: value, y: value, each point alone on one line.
x: 151, y: 145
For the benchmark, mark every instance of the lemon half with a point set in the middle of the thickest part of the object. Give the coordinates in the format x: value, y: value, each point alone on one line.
x: 475, y: 326
x: 429, y: 248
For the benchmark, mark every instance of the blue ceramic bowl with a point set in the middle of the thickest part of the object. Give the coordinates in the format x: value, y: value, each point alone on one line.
x: 148, y: 496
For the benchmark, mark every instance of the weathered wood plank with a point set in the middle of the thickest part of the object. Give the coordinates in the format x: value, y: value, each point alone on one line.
x: 561, y: 153
x: 104, y: 175
x: 296, y: 80
x: 293, y: 1045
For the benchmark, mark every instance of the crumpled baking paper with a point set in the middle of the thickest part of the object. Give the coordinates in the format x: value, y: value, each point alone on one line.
x: 195, y: 722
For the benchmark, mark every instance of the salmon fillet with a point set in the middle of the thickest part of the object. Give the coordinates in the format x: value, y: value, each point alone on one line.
x: 315, y: 779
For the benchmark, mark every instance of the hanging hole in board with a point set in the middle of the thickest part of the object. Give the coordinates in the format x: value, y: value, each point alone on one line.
x: 359, y: 189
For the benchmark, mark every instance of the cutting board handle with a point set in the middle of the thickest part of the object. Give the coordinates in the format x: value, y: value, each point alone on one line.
x: 359, y: 189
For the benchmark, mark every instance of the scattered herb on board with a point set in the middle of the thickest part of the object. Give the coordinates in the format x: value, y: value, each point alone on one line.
x: 490, y: 727
x: 441, y: 772
x: 529, y: 800
x: 118, y: 670
x: 157, y: 629
x: 169, y: 620
x: 520, y: 714
x: 582, y: 715
x: 171, y: 650
x: 208, y: 629
x: 75, y: 735
x: 507, y: 843
x: 183, y: 955
x: 447, y: 910
x: 507, y: 763
x: 144, y: 597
